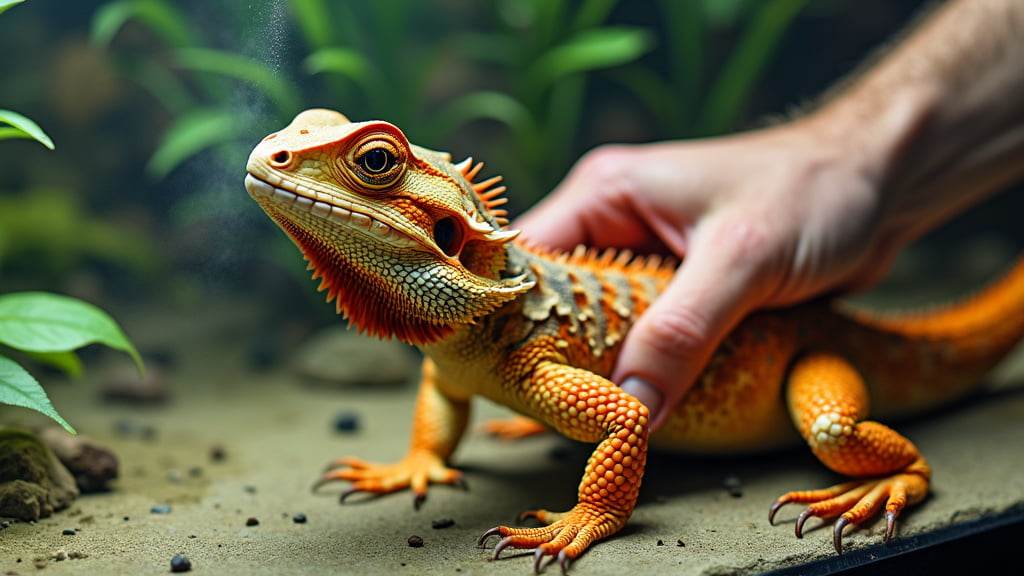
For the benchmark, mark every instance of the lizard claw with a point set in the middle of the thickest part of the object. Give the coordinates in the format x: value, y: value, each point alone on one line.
x: 858, y: 500
x: 496, y: 531
x: 890, y: 524
x: 348, y: 492
x: 563, y: 561
x: 807, y: 513
x: 837, y: 533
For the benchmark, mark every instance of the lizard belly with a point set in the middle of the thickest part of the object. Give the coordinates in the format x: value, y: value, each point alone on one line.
x: 737, y: 403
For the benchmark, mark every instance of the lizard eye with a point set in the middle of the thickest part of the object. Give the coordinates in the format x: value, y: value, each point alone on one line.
x: 377, y: 162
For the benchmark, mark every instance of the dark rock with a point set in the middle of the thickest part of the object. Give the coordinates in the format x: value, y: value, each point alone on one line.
x: 180, y: 563
x: 92, y: 464
x: 122, y: 381
x: 346, y: 421
x: 33, y: 482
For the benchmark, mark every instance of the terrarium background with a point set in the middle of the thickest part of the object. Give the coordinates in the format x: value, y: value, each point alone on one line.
x: 154, y: 106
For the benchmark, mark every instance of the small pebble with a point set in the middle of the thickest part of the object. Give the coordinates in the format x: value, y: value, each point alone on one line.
x: 218, y: 453
x: 442, y: 523
x: 160, y: 509
x: 174, y: 476
x: 560, y: 452
x: 733, y: 485
x: 5, y: 524
x: 127, y: 518
x: 299, y: 518
x: 68, y: 532
x: 252, y: 521
x: 661, y: 542
x: 180, y: 563
x: 60, y: 555
x: 346, y: 422
x: 250, y: 489
x: 415, y: 541
x: 195, y: 472
x: 680, y: 543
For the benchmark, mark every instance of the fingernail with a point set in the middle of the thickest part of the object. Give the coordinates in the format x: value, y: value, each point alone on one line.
x: 645, y: 392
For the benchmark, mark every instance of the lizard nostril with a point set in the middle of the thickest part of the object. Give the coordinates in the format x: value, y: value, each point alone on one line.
x: 281, y: 159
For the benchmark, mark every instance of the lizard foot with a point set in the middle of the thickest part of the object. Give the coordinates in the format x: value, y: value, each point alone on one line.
x: 513, y: 428
x: 564, y: 537
x: 856, y: 501
x: 416, y: 470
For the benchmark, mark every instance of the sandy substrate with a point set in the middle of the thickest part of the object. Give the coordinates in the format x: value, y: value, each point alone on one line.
x: 277, y: 434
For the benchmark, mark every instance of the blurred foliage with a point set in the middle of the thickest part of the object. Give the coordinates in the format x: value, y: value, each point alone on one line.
x: 50, y: 232
x: 48, y: 327
x: 433, y: 68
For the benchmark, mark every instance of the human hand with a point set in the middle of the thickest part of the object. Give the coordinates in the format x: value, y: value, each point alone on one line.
x: 761, y: 219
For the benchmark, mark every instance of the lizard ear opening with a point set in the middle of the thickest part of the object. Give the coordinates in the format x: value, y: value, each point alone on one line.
x: 448, y: 236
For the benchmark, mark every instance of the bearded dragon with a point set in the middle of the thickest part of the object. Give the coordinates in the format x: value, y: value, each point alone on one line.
x: 412, y: 246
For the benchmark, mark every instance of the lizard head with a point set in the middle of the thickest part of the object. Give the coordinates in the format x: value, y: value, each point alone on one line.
x: 403, y: 240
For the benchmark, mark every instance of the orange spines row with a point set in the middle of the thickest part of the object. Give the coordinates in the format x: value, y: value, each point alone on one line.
x: 486, y: 191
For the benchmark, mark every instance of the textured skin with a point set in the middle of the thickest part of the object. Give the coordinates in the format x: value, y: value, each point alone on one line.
x: 409, y: 246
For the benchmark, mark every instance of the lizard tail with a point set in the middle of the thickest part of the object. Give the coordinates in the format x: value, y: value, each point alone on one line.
x: 920, y: 360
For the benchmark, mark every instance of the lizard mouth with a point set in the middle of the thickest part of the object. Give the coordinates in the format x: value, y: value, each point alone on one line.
x: 304, y: 200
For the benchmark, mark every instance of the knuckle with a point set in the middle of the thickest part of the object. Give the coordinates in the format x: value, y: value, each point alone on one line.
x: 674, y: 332
x: 605, y: 165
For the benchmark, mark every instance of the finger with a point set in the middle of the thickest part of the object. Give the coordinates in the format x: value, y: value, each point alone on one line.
x: 591, y: 206
x: 673, y: 340
x: 555, y: 222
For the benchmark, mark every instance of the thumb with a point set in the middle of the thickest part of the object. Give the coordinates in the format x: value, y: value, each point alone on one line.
x: 672, y: 341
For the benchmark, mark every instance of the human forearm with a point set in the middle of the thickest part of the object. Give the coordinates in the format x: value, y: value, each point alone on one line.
x: 939, y: 122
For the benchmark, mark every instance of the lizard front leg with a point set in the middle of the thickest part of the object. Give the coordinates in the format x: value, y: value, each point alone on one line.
x: 829, y: 403
x: 589, y: 408
x: 438, y: 424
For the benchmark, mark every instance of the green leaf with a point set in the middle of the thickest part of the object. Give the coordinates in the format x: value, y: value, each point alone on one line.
x: 190, y: 134
x: 490, y: 105
x: 19, y: 388
x: 731, y: 89
x: 279, y: 89
x: 589, y: 50
x: 44, y: 322
x: 593, y: 13
x: 313, y: 20
x: 67, y: 362
x: 6, y: 5
x: 22, y: 127
x: 158, y: 15
x: 348, y: 63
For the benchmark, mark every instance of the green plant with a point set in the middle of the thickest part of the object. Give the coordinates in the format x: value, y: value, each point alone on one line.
x: 19, y: 126
x: 46, y: 327
x: 527, y: 65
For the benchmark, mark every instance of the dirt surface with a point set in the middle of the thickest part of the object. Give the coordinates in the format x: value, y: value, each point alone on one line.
x: 696, y: 516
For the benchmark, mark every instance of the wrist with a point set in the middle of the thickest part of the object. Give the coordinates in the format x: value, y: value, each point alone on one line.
x: 877, y: 138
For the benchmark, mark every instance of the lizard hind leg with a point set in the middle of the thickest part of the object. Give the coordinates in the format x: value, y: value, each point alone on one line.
x: 828, y: 402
